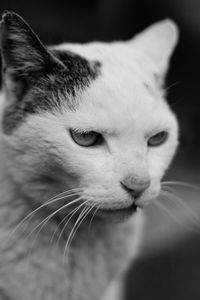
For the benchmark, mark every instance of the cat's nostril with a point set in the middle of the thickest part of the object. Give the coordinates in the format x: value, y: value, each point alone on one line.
x: 135, y: 189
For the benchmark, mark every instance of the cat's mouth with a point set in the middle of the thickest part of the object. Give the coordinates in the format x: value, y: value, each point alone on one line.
x: 124, y: 211
x: 117, y: 215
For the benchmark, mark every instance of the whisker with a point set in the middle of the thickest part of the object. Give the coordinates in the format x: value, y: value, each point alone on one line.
x: 59, y: 225
x: 170, y: 213
x: 181, y: 203
x: 75, y: 227
x: 48, y: 202
x: 65, y: 192
x: 92, y: 218
x: 81, y: 221
x: 171, y: 85
x: 165, y: 209
x: 181, y: 183
x: 44, y: 222
x: 74, y: 212
x: 77, y: 221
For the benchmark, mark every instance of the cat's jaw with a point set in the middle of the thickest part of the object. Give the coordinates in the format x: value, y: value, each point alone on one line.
x: 117, y: 215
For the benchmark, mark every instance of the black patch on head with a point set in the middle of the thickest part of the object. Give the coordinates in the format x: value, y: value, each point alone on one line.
x: 80, y: 71
x: 39, y: 77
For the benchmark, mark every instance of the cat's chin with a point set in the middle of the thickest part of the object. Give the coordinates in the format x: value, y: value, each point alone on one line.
x: 117, y: 215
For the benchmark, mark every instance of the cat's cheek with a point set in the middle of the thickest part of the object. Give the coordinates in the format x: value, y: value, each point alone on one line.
x: 159, y: 161
x: 97, y: 170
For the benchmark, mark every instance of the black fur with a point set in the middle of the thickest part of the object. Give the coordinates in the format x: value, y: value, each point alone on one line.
x: 40, y: 76
x: 80, y: 71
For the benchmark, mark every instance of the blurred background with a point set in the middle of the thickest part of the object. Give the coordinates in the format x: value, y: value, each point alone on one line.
x: 169, y: 263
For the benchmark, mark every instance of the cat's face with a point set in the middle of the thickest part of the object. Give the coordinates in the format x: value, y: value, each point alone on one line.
x: 88, y: 116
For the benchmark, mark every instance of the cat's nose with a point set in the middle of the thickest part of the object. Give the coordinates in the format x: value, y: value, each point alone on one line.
x: 135, y: 188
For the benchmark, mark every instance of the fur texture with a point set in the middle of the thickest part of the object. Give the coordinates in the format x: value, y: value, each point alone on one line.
x: 114, y: 89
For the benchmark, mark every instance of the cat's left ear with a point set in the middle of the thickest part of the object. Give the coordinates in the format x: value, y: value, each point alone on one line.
x: 23, y: 54
x: 157, y: 42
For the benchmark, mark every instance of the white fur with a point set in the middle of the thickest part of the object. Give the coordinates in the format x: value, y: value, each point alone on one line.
x: 120, y: 106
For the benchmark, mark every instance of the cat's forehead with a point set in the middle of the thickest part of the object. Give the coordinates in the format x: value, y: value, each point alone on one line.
x: 111, y: 83
x: 120, y: 95
x: 122, y: 68
x: 115, y: 56
x: 116, y: 106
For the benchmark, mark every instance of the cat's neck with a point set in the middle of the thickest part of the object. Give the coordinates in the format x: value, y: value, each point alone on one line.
x: 97, y: 254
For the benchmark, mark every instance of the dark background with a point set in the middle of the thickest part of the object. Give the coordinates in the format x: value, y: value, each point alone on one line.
x: 169, y: 265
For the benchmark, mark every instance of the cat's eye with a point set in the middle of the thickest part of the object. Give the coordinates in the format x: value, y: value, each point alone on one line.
x: 158, y: 139
x: 86, y: 139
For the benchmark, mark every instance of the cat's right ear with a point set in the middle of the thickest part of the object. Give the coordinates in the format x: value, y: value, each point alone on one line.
x: 23, y: 54
x: 157, y: 43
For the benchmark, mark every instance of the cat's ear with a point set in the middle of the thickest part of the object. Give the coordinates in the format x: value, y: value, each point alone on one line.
x: 22, y: 52
x: 158, y: 42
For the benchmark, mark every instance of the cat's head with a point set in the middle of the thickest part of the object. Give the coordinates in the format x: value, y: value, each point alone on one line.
x: 91, y: 117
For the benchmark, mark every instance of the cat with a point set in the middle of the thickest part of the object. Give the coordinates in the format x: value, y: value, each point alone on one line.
x: 86, y: 137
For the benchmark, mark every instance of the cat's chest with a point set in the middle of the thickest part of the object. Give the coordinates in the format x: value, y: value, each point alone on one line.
x: 42, y: 274
x: 89, y: 267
